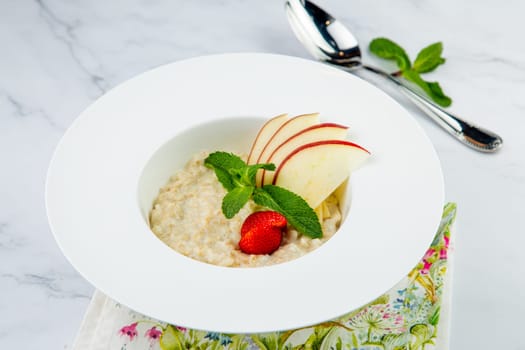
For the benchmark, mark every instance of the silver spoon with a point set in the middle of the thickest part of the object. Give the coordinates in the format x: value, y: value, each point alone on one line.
x: 331, y: 42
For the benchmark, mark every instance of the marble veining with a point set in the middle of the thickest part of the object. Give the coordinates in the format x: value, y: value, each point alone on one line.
x: 65, y: 33
x: 57, y: 57
x: 49, y: 282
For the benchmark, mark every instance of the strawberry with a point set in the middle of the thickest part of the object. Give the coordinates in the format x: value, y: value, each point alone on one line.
x: 261, y: 232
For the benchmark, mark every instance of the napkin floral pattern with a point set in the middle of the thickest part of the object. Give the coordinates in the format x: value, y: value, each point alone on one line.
x: 406, y: 317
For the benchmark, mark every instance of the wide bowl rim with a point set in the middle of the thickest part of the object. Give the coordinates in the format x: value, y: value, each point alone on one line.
x: 292, y: 313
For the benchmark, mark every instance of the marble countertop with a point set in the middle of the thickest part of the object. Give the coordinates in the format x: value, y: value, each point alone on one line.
x: 57, y: 57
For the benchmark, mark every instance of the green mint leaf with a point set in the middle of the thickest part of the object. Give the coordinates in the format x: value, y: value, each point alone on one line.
x: 429, y: 58
x: 432, y: 89
x: 438, y: 95
x: 293, y: 207
x: 252, y: 170
x: 387, y: 49
x: 224, y: 160
x: 227, y: 166
x: 235, y: 200
x: 225, y: 178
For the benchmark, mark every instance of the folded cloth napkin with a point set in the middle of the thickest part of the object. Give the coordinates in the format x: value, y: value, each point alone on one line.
x: 414, y: 314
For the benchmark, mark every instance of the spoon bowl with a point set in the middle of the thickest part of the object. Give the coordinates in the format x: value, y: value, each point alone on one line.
x: 322, y: 34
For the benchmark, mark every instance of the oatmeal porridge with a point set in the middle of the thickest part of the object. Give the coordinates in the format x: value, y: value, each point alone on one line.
x: 187, y: 217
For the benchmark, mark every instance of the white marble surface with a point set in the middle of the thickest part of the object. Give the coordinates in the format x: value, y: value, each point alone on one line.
x: 56, y: 57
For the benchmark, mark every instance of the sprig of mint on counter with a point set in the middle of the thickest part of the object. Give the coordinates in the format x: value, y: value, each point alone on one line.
x: 427, y: 60
x: 238, y: 179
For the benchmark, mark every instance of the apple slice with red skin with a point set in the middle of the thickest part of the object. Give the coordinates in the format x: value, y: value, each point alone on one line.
x: 264, y: 135
x: 315, y: 170
x: 289, y: 128
x: 315, y: 133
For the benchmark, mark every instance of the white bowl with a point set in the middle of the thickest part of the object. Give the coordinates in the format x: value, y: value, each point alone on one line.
x: 111, y: 162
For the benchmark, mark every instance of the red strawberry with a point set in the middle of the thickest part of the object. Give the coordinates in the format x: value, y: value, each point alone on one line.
x: 261, y: 232
x: 266, y: 219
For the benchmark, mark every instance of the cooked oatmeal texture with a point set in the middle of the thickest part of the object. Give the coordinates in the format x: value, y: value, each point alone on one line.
x: 187, y: 216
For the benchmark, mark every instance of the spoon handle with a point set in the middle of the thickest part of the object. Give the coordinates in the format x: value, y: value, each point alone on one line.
x: 473, y: 136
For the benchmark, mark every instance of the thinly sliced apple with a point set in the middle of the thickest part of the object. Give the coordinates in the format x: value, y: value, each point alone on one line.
x: 315, y: 170
x: 342, y: 194
x: 322, y: 211
x: 326, y: 209
x: 289, y: 128
x: 315, y: 133
x: 264, y: 135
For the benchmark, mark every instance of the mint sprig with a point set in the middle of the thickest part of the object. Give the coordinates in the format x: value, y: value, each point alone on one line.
x: 427, y: 60
x: 298, y: 213
x: 238, y: 179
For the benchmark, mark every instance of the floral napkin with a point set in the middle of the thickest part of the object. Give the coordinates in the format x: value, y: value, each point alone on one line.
x: 412, y: 315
